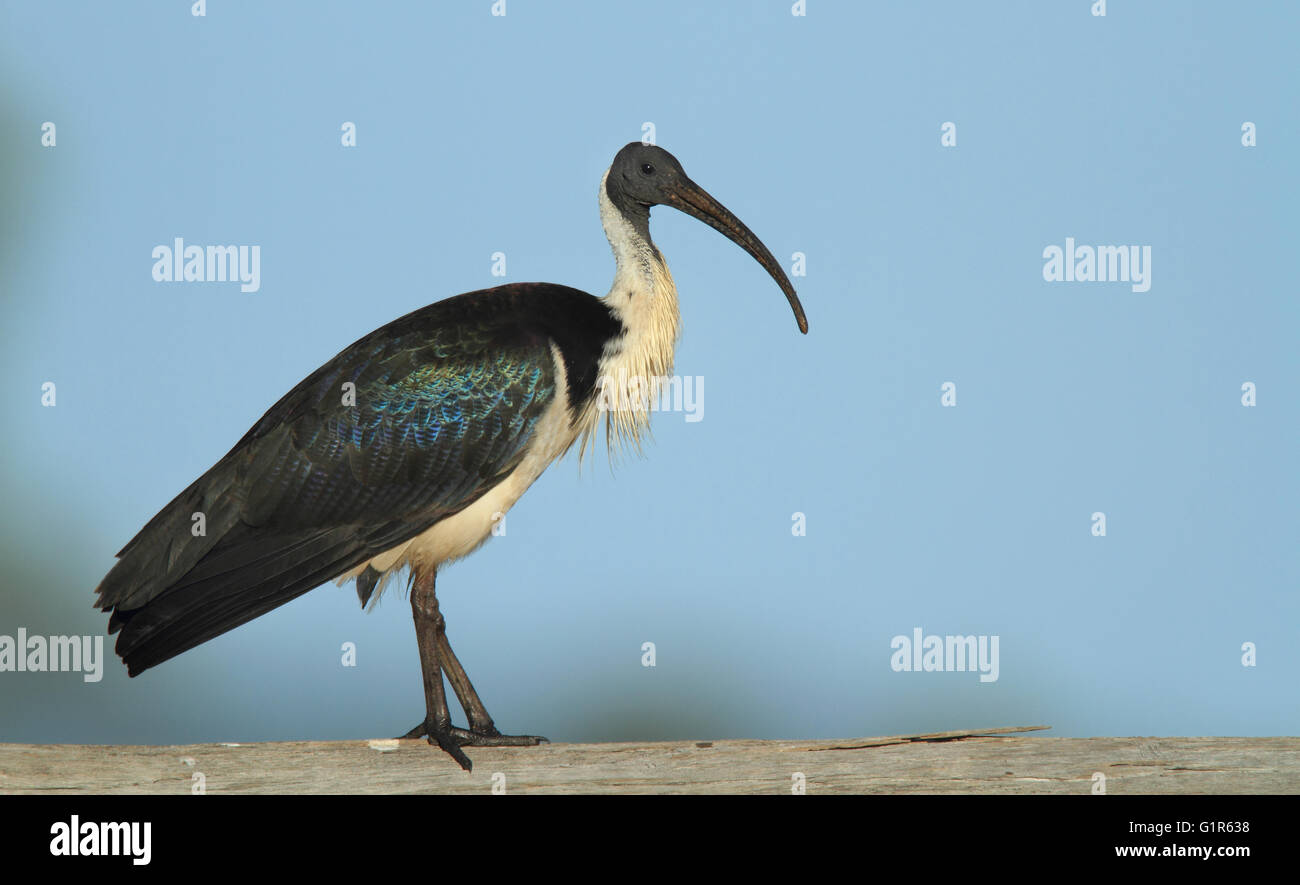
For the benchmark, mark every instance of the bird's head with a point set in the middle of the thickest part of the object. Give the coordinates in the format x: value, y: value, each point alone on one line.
x: 644, y: 175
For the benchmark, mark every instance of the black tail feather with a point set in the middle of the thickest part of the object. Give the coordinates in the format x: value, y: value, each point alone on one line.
x: 224, y: 592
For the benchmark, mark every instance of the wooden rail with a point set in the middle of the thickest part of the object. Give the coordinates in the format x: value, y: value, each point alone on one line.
x: 981, y: 761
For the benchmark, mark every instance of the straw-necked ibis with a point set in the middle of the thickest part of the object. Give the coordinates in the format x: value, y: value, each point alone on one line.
x: 454, y: 411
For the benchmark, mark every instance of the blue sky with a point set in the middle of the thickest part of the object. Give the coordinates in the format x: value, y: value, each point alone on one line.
x: 479, y: 134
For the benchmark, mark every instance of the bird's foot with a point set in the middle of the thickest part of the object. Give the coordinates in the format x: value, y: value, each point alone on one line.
x: 418, y: 732
x: 451, y: 738
x: 490, y: 737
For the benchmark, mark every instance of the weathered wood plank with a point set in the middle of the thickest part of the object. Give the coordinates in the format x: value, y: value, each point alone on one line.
x: 987, y: 761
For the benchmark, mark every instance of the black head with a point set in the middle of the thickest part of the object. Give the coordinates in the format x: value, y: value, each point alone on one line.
x: 645, y: 175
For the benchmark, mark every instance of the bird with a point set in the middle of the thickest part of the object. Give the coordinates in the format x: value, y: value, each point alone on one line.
x: 402, y: 452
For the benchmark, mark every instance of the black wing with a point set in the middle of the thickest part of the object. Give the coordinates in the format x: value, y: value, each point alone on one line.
x: 446, y: 401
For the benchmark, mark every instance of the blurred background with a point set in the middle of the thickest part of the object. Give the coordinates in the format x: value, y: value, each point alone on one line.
x: 479, y: 133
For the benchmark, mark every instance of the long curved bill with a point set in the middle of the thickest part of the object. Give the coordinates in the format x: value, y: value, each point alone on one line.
x: 694, y: 200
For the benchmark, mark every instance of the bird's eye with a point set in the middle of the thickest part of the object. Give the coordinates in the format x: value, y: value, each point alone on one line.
x: 647, y: 169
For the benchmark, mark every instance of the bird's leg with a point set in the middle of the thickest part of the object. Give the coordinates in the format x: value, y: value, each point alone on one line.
x: 479, y: 720
x: 436, y: 657
x: 481, y: 733
x: 428, y: 624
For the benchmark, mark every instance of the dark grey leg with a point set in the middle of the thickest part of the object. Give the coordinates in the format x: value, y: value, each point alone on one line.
x: 436, y: 660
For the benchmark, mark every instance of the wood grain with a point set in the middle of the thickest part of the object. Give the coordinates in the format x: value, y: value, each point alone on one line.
x: 983, y: 761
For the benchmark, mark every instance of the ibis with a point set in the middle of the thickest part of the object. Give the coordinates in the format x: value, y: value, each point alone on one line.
x: 403, y: 451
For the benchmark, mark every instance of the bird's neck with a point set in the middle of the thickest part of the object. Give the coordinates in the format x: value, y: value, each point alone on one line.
x: 635, y: 364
